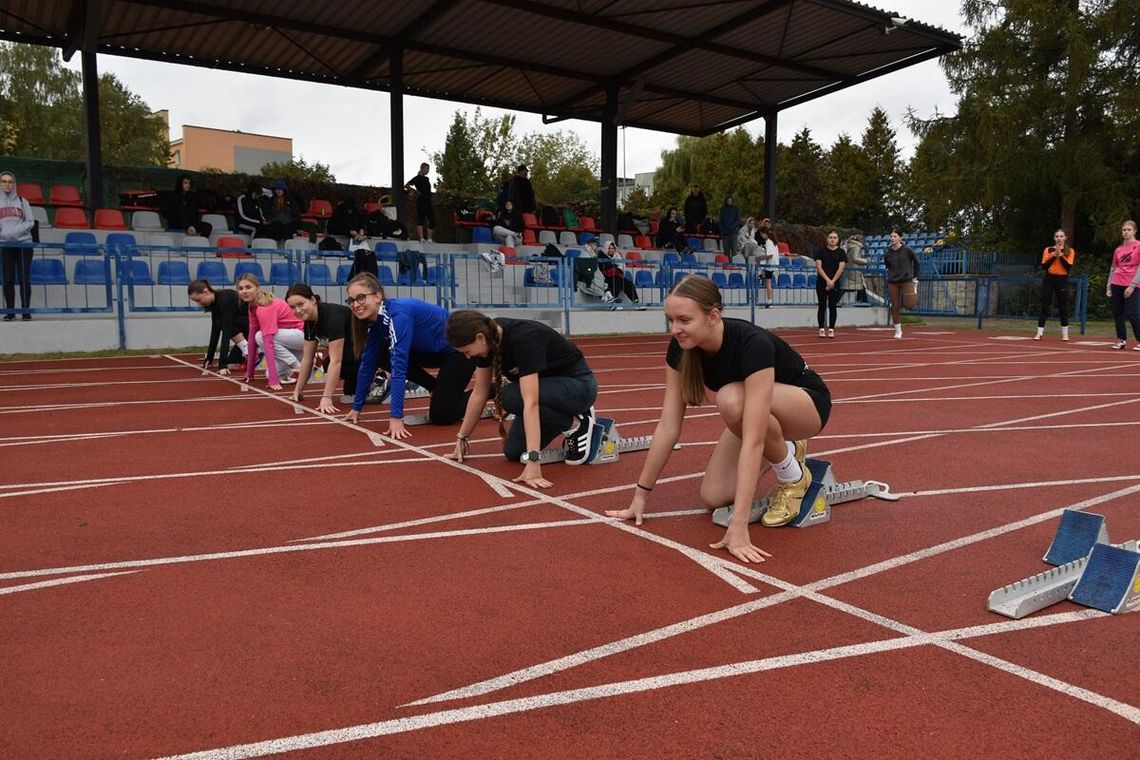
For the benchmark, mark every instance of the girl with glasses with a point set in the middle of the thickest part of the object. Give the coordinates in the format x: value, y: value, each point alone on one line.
x: 329, y: 323
x: 1123, y: 278
x: 276, y: 331
x: 406, y: 336
x: 769, y: 399
x: 1056, y: 260
x: 534, y: 373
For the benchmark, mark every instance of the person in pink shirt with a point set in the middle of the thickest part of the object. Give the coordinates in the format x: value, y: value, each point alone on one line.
x: 1123, y: 278
x: 276, y: 329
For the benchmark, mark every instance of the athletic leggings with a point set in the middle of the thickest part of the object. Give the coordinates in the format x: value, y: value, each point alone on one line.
x: 1059, y: 284
x: 448, y: 400
x: 619, y: 285
x: 829, y: 301
x: 1125, y: 308
x: 898, y: 291
x: 17, y: 258
x: 560, y: 398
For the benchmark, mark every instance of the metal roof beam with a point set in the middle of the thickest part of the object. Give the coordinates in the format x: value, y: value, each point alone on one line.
x: 82, y: 28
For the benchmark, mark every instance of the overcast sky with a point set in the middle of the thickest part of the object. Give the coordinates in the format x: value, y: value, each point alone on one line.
x: 348, y: 129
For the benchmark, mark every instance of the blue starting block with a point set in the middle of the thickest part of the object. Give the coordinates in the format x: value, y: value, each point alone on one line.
x: 1076, y: 536
x: 1111, y: 580
x: 823, y: 492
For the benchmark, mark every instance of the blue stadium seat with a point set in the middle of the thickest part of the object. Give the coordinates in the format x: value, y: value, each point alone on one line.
x: 47, y: 272
x: 735, y: 280
x: 386, y: 250
x: 688, y: 260
x: 481, y: 235
x: 385, y: 275
x: 214, y: 271
x: 721, y: 280
x: 342, y: 274
x: 80, y: 244
x: 135, y: 272
x: 644, y: 278
x: 573, y: 253
x: 249, y: 267
x: 799, y: 280
x: 90, y: 272
x: 812, y: 280
x: 319, y: 274
x: 586, y: 237
x: 696, y: 243
x: 121, y: 243
x: 173, y: 273
x: 795, y: 262
x: 408, y: 277
x: 661, y: 280
x: 670, y: 259
x: 783, y: 280
x: 283, y: 273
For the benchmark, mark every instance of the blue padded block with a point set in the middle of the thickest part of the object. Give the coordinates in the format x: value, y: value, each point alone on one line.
x: 1106, y: 582
x: 1076, y: 535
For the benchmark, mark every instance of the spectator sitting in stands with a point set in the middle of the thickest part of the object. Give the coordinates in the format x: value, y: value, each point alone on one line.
x: 729, y: 225
x: 249, y: 212
x: 696, y: 209
x: 521, y: 193
x: 746, y: 245
x: 281, y: 213
x: 181, y: 209
x: 347, y: 220
x: 378, y: 224
x: 671, y: 232
x: 509, y: 226
x: 616, y: 283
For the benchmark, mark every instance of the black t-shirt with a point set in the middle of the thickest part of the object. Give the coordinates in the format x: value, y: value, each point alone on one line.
x: 422, y: 185
x: 830, y: 259
x: 528, y: 347
x: 746, y: 348
x: 333, y: 323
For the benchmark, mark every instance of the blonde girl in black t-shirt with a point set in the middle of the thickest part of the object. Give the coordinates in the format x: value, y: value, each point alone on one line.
x: 770, y: 400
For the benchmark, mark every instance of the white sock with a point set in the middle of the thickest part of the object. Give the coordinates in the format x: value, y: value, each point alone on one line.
x: 1065, y: 331
x: 1040, y: 331
x: 788, y: 471
x: 243, y: 346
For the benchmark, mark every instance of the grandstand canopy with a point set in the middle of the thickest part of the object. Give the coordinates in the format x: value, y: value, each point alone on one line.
x: 685, y: 66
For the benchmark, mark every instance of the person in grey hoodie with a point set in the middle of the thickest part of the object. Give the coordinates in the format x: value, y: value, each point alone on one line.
x: 16, y: 223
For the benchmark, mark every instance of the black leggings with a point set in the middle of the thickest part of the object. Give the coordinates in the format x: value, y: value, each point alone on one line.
x: 829, y: 301
x: 448, y: 400
x: 1058, y: 284
x: 559, y: 400
x: 17, y: 258
x: 1125, y: 308
x: 618, y: 284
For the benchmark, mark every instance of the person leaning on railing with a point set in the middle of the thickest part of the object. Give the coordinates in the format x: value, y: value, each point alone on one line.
x: 1056, y: 260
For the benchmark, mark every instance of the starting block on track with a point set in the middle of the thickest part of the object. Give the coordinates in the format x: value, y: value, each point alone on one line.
x: 605, y: 447
x: 823, y: 493
x: 1101, y: 575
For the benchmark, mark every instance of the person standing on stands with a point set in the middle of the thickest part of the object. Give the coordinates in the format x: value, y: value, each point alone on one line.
x: 509, y: 226
x: 1123, y: 278
x: 16, y: 223
x: 281, y: 213
x: 1056, y: 260
x: 521, y: 192
x: 182, y: 209
x: 250, y: 213
x: 830, y: 261
x: 696, y: 209
x: 425, y: 215
x: 729, y: 225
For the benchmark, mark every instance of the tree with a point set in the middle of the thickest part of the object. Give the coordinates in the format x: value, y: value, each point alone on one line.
x: 799, y: 181
x: 882, y: 155
x: 848, y: 185
x: 562, y: 168
x: 459, y: 166
x: 1048, y: 109
x: 298, y: 170
x: 41, y: 112
x: 720, y: 164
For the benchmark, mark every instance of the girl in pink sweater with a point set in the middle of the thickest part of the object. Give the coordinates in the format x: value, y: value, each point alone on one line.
x: 277, y: 331
x: 1123, y: 279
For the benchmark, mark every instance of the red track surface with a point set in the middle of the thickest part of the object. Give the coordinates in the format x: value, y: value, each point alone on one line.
x: 187, y: 568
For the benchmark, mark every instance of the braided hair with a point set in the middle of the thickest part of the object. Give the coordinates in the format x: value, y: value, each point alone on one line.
x: 463, y: 327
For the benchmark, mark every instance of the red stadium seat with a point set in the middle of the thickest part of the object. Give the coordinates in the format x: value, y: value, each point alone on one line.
x: 529, y: 238
x: 319, y: 208
x: 34, y: 193
x: 531, y: 222
x: 109, y: 219
x: 65, y: 195
x: 228, y: 241
x: 587, y: 224
x: 71, y: 219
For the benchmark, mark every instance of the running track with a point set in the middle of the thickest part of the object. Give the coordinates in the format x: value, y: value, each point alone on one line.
x: 190, y: 570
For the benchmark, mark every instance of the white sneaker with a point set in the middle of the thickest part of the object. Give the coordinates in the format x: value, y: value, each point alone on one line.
x: 830, y: 333
x: 898, y: 331
x: 607, y: 297
x: 822, y: 333
x: 1065, y: 334
x: 494, y: 260
x: 1037, y: 336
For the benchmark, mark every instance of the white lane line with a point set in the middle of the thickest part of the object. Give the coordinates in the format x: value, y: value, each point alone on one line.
x: 62, y: 582
x: 1065, y: 413
x: 1015, y: 486
x: 106, y: 404
x: 104, y: 384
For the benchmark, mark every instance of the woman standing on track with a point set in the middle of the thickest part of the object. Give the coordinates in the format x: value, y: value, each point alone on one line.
x: 328, y: 322
x: 902, y: 277
x: 276, y: 331
x: 1056, y: 260
x: 1123, y: 278
x: 229, y: 323
x: 407, y: 335
x: 549, y: 388
x: 768, y: 397
x: 830, y: 261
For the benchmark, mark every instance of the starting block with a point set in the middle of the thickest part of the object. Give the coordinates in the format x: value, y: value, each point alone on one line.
x: 821, y: 495
x: 1100, y: 575
x: 605, y: 446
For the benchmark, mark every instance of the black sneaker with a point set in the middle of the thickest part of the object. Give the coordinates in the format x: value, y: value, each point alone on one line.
x: 579, y: 439
x: 379, y: 391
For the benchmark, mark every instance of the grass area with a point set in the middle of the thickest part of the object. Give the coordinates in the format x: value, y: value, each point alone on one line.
x: 98, y: 354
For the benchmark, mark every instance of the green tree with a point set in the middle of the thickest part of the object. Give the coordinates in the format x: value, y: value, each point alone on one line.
x: 848, y: 192
x: 41, y: 112
x: 720, y: 164
x: 562, y: 168
x: 298, y: 170
x: 882, y: 154
x: 460, y: 167
x: 799, y: 181
x: 637, y: 202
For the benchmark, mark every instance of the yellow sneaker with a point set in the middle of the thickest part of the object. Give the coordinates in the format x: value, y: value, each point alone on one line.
x: 786, y: 502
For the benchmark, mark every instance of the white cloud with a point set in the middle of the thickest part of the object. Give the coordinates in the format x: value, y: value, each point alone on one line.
x: 348, y: 129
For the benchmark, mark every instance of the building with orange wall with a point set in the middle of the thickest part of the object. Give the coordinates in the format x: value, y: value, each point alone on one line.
x: 229, y: 150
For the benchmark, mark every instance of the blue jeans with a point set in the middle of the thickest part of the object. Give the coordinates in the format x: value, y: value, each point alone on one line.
x: 560, y: 400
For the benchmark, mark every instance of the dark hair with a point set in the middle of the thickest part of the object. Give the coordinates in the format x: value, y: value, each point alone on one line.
x: 360, y: 326
x: 706, y: 295
x: 199, y: 286
x: 462, y: 328
x: 303, y: 290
